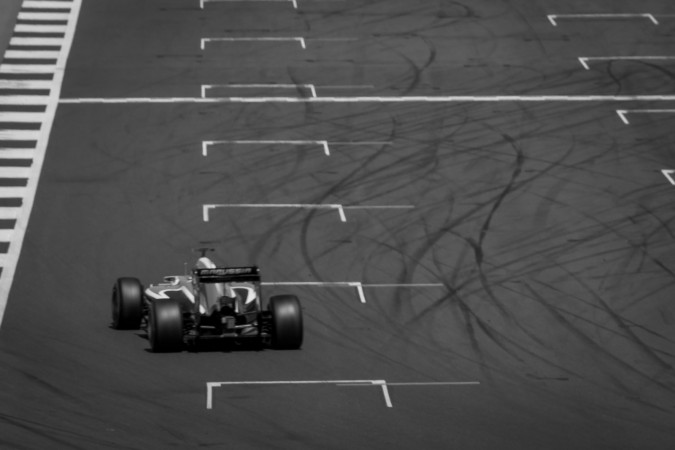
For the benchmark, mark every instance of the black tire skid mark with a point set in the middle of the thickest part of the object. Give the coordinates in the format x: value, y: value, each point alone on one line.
x: 625, y: 327
x: 304, y: 233
x: 619, y: 81
x: 605, y: 354
x: 47, y: 432
x: 413, y: 79
x: 599, y: 325
x: 477, y: 248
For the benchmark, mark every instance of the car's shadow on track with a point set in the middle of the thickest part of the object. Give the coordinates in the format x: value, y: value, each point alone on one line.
x: 215, y: 346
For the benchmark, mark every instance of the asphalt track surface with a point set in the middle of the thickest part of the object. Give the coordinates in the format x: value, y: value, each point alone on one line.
x: 549, y: 226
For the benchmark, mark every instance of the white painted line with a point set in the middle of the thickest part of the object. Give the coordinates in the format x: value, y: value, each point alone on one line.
x: 325, y: 144
x: 202, y: 3
x: 15, y: 172
x: 667, y: 173
x: 46, y: 16
x: 19, y: 41
x: 437, y: 383
x: 16, y: 153
x: 357, y: 284
x: 10, y: 259
x: 213, y: 384
x: 35, y: 28
x: 25, y: 84
x: 390, y: 99
x: 585, y: 59
x: 385, y: 392
x: 206, y: 144
x: 19, y: 135
x: 22, y: 117
x: 27, y: 68
x: 6, y: 236
x: 43, y: 4
x: 9, y: 213
x: 341, y: 383
x: 24, y: 99
x: 301, y: 40
x: 554, y: 17
x: 310, y: 87
x: 359, y: 289
x: 12, y: 192
x: 623, y: 113
x: 31, y: 54
x: 340, y: 208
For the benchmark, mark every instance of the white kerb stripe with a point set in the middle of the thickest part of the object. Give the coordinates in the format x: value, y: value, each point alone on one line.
x: 12, y: 192
x: 25, y: 28
x: 31, y: 54
x: 42, y: 16
x: 25, y: 84
x: 16, y: 153
x: 6, y: 235
x: 46, y: 4
x: 27, y: 68
x: 9, y: 213
x: 15, y: 172
x: 23, y: 117
x: 18, y: 41
x: 23, y: 100
x: 19, y: 135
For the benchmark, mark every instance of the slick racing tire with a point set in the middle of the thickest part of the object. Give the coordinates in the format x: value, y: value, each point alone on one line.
x: 127, y: 304
x: 165, y: 326
x: 287, y: 328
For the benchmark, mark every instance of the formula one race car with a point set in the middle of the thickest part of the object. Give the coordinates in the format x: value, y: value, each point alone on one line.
x: 213, y: 303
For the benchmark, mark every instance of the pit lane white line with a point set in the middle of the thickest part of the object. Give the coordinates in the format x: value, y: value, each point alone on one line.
x: 340, y: 208
x: 357, y: 284
x: 22, y: 117
x: 377, y: 99
x: 554, y: 17
x: 383, y: 384
x: 39, y: 29
x: 324, y: 143
x: 43, y: 16
x: 31, y: 54
x: 25, y: 84
x: 584, y: 60
x: 623, y: 113
x: 43, y: 41
x: 44, y: 4
x: 27, y: 68
x: 71, y: 10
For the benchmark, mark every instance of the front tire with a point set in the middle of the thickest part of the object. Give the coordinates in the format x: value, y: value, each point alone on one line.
x: 287, y: 328
x: 127, y: 304
x: 165, y: 326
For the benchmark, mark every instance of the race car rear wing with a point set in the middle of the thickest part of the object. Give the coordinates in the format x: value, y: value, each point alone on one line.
x: 227, y: 274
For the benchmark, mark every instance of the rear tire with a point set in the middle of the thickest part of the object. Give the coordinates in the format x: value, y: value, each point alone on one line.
x: 127, y: 304
x: 287, y: 329
x: 165, y: 326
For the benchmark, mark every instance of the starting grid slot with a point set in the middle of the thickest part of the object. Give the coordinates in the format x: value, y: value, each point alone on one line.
x: 354, y: 284
x: 553, y: 18
x: 339, y: 383
x: 323, y: 143
x: 336, y: 206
